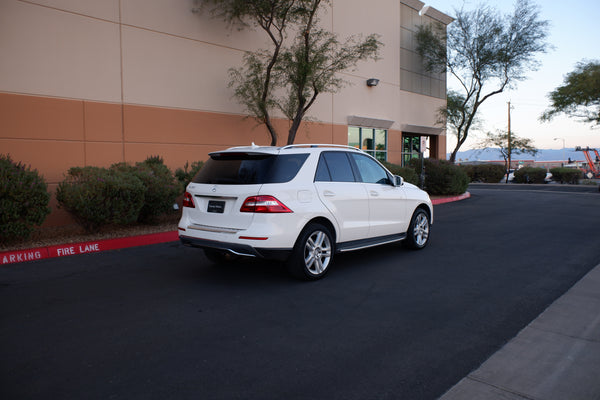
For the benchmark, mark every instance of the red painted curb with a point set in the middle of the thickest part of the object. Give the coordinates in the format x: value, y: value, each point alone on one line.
x: 10, y: 257
x: 463, y: 196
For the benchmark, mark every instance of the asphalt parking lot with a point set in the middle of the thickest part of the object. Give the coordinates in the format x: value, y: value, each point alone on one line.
x: 160, y: 321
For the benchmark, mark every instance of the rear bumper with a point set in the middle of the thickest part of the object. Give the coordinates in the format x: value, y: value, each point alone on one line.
x: 236, y: 248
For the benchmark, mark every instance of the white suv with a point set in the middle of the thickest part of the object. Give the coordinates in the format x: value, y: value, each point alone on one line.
x: 300, y: 204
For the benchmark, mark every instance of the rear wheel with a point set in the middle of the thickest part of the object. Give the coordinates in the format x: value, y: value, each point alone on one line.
x: 312, y: 254
x: 418, y: 231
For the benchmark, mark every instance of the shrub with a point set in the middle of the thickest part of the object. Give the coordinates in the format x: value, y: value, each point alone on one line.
x: 99, y: 196
x: 161, y: 188
x: 24, y: 200
x: 407, y: 173
x: 442, y: 177
x: 566, y: 175
x: 184, y: 176
x: 485, y: 173
x: 530, y: 175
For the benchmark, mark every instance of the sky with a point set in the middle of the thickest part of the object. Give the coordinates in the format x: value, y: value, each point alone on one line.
x: 574, y: 33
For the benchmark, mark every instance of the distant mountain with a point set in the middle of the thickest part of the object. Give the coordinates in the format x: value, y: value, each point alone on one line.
x: 543, y: 155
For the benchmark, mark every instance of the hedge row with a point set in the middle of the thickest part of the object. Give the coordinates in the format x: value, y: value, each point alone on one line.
x: 530, y: 175
x: 24, y: 200
x: 566, y: 175
x: 441, y: 176
x: 99, y: 196
x: 121, y: 194
x: 485, y: 173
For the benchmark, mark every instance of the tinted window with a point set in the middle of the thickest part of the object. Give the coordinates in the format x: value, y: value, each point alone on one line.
x: 338, y: 166
x: 370, y: 170
x: 322, y: 174
x: 248, y: 169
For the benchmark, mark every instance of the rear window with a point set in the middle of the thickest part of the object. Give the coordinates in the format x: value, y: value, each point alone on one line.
x: 250, y: 168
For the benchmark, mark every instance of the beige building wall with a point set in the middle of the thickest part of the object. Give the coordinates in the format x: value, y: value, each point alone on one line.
x: 89, y: 82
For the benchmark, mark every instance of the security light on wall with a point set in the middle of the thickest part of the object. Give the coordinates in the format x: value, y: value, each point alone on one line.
x: 372, y: 82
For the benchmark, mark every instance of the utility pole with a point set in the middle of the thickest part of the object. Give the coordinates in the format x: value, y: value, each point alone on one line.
x: 509, y: 145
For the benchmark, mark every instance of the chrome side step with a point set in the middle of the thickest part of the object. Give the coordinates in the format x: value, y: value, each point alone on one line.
x: 371, y: 242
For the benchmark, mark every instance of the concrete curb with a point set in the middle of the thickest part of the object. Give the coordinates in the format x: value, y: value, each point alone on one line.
x: 70, y: 249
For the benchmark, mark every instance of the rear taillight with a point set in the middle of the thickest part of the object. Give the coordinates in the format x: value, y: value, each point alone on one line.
x: 188, y: 200
x: 264, y: 204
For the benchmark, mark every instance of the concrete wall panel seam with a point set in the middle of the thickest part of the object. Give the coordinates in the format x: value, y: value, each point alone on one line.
x: 79, y: 14
x: 173, y: 35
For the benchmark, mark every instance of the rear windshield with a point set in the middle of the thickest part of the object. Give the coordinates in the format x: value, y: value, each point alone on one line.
x: 249, y: 169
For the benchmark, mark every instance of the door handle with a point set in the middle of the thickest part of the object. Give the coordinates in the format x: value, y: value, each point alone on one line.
x: 328, y: 193
x: 374, y: 193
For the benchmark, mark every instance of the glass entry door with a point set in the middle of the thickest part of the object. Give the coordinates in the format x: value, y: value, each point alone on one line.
x: 411, y: 148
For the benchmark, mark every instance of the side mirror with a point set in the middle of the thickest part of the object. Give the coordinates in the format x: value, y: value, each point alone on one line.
x: 398, y: 180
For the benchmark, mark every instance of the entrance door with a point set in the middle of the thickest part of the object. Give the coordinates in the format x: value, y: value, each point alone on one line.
x: 411, y: 148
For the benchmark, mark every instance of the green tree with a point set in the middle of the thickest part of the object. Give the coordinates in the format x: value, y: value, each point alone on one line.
x: 579, y: 96
x: 454, y: 114
x: 298, y: 69
x: 509, y: 145
x: 486, y: 52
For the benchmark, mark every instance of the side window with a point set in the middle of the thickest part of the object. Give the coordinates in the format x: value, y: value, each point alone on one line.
x: 322, y: 174
x: 285, y: 168
x: 337, y: 165
x: 370, y: 170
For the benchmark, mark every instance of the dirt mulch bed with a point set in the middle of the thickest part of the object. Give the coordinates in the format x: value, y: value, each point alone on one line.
x: 53, y: 236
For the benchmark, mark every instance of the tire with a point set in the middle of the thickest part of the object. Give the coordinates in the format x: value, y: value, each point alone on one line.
x: 219, y: 257
x: 312, y: 254
x: 419, y: 230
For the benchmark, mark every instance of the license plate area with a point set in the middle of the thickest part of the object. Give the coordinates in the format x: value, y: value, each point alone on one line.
x: 216, y: 206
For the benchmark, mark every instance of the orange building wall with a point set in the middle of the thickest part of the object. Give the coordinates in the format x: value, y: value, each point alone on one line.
x: 53, y: 135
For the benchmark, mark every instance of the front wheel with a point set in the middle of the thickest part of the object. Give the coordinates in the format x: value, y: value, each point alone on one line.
x: 312, y: 254
x: 419, y: 229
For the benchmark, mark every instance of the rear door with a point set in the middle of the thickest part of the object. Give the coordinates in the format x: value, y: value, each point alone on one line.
x: 343, y: 195
x: 387, y: 203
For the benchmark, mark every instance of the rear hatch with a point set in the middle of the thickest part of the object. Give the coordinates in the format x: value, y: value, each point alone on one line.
x: 219, y: 205
x: 228, y: 178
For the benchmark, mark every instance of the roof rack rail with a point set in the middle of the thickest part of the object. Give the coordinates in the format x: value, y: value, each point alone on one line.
x: 343, y: 146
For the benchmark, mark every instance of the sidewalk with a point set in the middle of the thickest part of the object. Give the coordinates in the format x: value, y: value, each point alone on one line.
x: 556, y: 357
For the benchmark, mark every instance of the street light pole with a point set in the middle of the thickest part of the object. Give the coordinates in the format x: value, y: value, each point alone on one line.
x: 509, y: 146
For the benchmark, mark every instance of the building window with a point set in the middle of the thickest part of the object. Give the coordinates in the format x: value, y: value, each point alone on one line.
x: 413, y: 75
x: 372, y: 141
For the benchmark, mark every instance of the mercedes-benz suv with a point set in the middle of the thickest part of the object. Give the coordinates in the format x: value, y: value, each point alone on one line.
x: 300, y: 204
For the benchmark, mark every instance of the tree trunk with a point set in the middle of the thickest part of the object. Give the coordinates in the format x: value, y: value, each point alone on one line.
x: 453, y: 155
x: 272, y: 131
x: 294, y: 129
